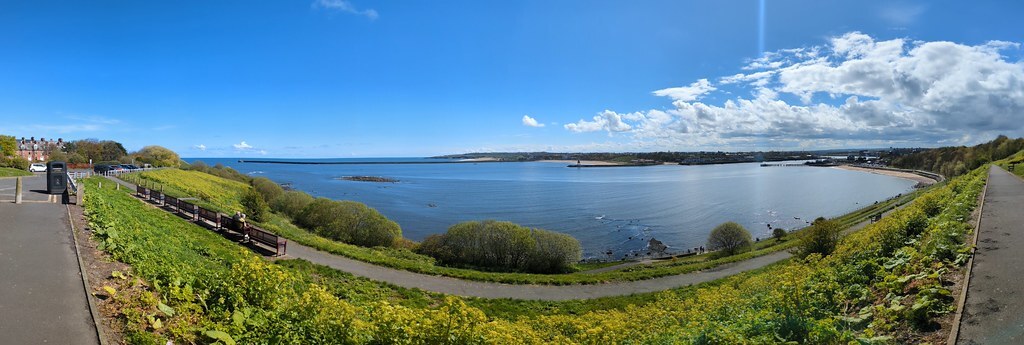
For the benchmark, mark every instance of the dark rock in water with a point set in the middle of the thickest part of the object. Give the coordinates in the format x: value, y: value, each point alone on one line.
x: 369, y: 179
x: 656, y: 245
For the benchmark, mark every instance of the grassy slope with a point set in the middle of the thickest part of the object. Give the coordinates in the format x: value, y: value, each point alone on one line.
x: 862, y: 292
x: 175, y: 182
x: 11, y: 172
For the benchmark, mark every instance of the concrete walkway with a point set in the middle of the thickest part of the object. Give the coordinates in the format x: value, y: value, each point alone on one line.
x: 42, y: 297
x: 994, y: 308
x: 468, y: 288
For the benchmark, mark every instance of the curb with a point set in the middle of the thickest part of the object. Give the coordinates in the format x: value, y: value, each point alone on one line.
x: 955, y: 331
x: 85, y: 282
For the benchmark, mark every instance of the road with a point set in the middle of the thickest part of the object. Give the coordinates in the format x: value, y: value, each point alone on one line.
x: 42, y: 297
x: 994, y: 308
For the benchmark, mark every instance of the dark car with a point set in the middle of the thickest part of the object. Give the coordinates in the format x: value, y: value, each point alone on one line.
x: 129, y: 166
x: 101, y: 168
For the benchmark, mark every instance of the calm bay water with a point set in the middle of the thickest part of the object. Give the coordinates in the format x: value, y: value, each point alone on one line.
x: 608, y: 209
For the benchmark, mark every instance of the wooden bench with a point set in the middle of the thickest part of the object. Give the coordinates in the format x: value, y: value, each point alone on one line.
x: 209, y: 215
x: 142, y: 191
x: 171, y: 201
x: 232, y: 224
x: 279, y: 244
x: 187, y: 208
x: 156, y: 196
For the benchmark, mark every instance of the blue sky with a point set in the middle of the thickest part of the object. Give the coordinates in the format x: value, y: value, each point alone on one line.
x: 332, y: 78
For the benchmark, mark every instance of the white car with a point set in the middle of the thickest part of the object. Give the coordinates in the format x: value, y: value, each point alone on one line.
x: 37, y: 167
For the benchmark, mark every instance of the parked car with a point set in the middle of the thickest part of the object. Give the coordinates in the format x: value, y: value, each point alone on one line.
x: 129, y: 166
x: 37, y: 167
x: 102, y: 168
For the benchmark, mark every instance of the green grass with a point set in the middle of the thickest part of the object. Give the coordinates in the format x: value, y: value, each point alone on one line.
x: 174, y: 180
x: 882, y: 285
x: 1018, y: 164
x: 12, y: 172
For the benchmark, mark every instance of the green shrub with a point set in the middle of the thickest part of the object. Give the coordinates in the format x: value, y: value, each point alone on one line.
x: 821, y: 238
x: 16, y: 162
x: 291, y: 203
x: 504, y: 246
x: 779, y: 234
x: 349, y: 222
x: 729, y: 239
x: 158, y: 156
x: 270, y: 190
x: 254, y: 206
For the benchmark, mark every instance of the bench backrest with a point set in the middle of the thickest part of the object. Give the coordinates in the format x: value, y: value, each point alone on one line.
x: 170, y: 200
x: 155, y: 195
x: 209, y: 215
x: 263, y: 236
x: 141, y: 190
x: 186, y: 206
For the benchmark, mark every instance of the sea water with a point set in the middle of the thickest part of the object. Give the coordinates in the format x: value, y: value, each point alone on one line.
x: 613, y: 211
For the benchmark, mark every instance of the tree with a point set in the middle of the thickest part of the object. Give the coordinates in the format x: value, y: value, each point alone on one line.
x: 729, y: 238
x: 58, y: 156
x: 821, y: 238
x: 158, y: 156
x: 254, y: 205
x: 779, y: 234
x: 8, y: 146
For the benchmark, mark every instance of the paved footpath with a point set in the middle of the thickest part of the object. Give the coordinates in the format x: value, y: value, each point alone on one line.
x: 42, y: 297
x: 454, y: 286
x: 994, y: 309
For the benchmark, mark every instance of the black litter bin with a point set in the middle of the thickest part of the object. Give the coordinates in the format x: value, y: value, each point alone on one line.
x: 56, y: 177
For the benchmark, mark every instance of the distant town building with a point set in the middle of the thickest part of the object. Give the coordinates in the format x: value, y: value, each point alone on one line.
x: 38, y: 150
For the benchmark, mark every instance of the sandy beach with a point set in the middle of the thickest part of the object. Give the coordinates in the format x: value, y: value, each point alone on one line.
x: 481, y: 159
x: 900, y: 174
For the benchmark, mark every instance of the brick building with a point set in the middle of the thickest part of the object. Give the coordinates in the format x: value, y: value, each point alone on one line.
x: 38, y: 150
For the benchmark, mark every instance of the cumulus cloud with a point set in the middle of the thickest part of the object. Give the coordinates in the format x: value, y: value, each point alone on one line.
x: 202, y: 147
x: 242, y: 146
x: 854, y: 89
x: 607, y: 120
x: 531, y: 122
x: 345, y: 6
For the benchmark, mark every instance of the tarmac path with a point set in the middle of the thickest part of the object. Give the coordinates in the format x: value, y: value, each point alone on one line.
x: 468, y: 288
x: 42, y: 296
x: 994, y: 308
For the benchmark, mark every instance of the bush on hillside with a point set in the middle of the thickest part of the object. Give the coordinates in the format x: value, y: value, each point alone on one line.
x: 729, y: 238
x: 270, y: 190
x: 503, y: 246
x: 821, y: 238
x: 254, y: 206
x: 158, y: 156
x: 291, y: 203
x: 779, y: 234
x: 349, y: 222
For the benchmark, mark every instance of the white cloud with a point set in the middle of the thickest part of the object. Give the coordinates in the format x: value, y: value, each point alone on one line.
x: 855, y: 89
x: 687, y: 93
x: 531, y: 122
x: 263, y: 152
x: 242, y: 146
x: 345, y: 6
x: 606, y: 120
x: 200, y: 147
